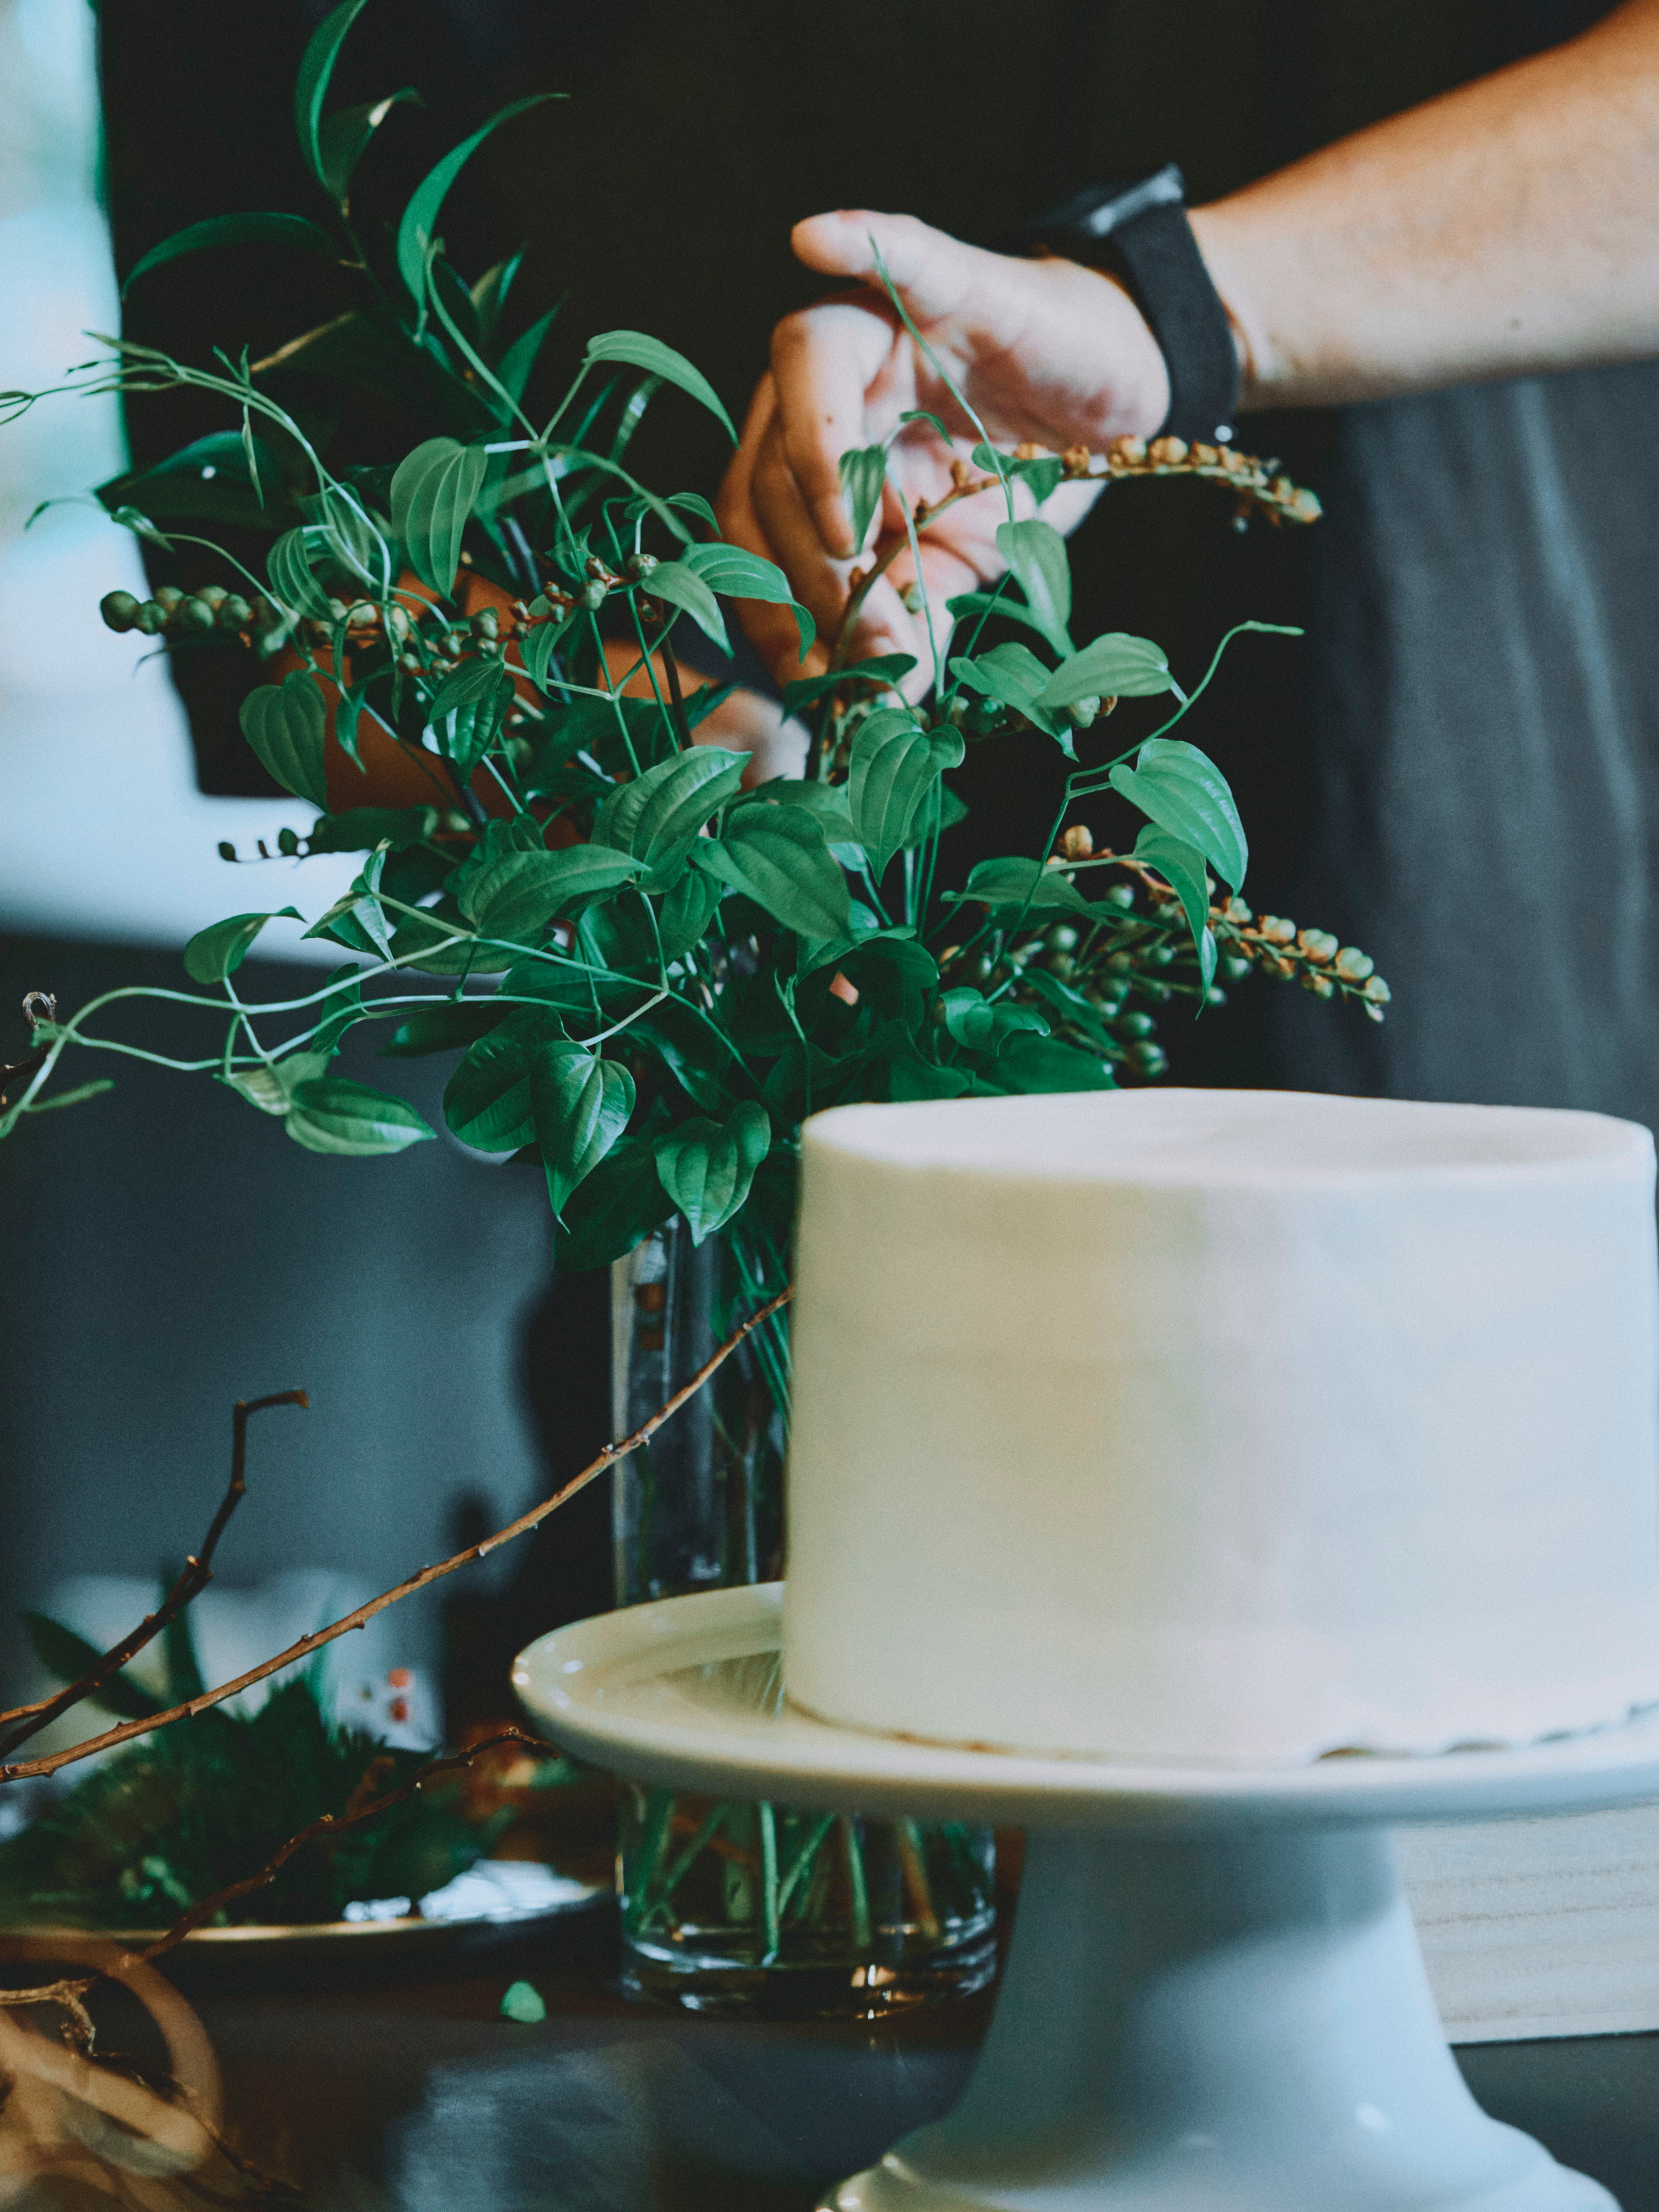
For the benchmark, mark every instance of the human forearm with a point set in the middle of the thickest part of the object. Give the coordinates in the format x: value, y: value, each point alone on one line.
x: 1507, y: 228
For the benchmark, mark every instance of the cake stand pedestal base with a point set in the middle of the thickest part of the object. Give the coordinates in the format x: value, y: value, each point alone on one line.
x: 1217, y: 2022
x: 1214, y: 2000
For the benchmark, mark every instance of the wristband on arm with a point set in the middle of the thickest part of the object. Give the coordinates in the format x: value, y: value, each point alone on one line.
x: 1137, y: 230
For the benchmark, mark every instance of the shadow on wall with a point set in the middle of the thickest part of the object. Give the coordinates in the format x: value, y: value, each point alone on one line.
x: 168, y: 1250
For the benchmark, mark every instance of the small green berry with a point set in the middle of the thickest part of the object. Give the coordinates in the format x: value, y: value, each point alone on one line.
x: 1235, y: 967
x: 194, y: 614
x: 1148, y: 1059
x: 119, y: 609
x: 1062, y: 938
x: 523, y: 2002
x: 1062, y: 965
x: 1136, y: 1025
x: 1353, y: 965
x: 151, y: 618
x: 168, y: 597
x: 1119, y: 895
x: 486, y: 623
x: 592, y: 595
x: 214, y: 595
x: 1377, y: 991
x: 1159, y: 956
x: 234, y: 612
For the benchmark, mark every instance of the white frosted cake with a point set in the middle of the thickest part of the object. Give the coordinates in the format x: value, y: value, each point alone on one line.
x: 1224, y: 1425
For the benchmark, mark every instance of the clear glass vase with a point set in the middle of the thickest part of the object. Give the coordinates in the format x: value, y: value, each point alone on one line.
x: 728, y: 1905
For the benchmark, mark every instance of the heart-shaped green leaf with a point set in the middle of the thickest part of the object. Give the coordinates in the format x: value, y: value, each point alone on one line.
x: 331, y: 1114
x: 1019, y: 882
x: 1035, y: 551
x: 518, y: 895
x: 287, y: 726
x: 1184, y: 792
x: 288, y: 565
x: 778, y: 855
x: 433, y: 493
x: 581, y: 1105
x: 656, y: 816
x: 708, y: 1167
x: 1012, y: 674
x: 219, y: 951
x: 687, y: 911
x: 1116, y: 666
x: 487, y: 1100
x: 468, y: 710
x: 895, y: 764
x: 1182, y: 867
x: 619, y: 1204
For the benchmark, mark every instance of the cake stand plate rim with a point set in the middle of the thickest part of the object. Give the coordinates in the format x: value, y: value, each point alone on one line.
x: 638, y: 1691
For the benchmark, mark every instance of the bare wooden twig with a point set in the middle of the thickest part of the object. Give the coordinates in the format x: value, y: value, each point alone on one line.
x: 50, y: 1763
x: 27, y: 1721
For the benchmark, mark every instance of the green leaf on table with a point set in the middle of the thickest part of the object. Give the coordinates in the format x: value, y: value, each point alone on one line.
x: 312, y: 83
x: 884, y: 668
x: 707, y: 1167
x: 581, y: 1104
x: 1012, y: 674
x: 236, y: 230
x: 657, y: 815
x: 687, y: 911
x: 1184, y: 792
x: 419, y: 223
x: 894, y: 765
x: 518, y: 895
x: 681, y: 586
x: 1116, y: 666
x: 1018, y: 881
x: 640, y: 351
x: 287, y: 566
x: 433, y: 493
x: 287, y: 726
x: 332, y: 1115
x: 1035, y: 551
x: 863, y: 475
x: 742, y: 575
x: 220, y: 949
x: 778, y: 856
x: 487, y: 1100
x: 344, y: 137
x: 615, y: 1207
x: 1182, y: 867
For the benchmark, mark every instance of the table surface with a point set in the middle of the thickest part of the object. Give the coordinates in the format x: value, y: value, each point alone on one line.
x: 422, y: 2099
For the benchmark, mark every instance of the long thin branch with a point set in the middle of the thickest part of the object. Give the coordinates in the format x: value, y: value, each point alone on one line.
x: 197, y: 1575
x: 19, y: 1770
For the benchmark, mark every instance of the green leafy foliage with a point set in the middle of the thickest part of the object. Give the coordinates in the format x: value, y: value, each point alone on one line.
x: 238, y: 230
x: 519, y: 894
x: 1181, y: 865
x: 220, y: 949
x: 894, y: 765
x: 581, y: 1105
x: 287, y: 726
x: 707, y: 1167
x: 738, y: 575
x: 418, y: 226
x: 1116, y: 666
x: 183, y: 1814
x: 1183, y: 791
x: 683, y: 587
x: 863, y: 478
x: 778, y: 855
x: 1035, y: 551
x: 433, y: 494
x: 657, y: 817
x: 636, y: 348
x: 331, y: 1114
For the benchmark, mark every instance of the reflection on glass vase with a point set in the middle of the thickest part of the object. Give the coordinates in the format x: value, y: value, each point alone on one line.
x: 729, y: 1905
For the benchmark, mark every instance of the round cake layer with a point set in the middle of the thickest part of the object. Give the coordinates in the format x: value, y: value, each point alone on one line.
x: 1232, y: 1425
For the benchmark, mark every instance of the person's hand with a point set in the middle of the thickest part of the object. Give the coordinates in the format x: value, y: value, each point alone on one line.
x: 1045, y: 352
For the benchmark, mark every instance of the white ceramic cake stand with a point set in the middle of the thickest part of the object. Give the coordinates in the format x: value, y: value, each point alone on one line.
x: 1214, y: 2000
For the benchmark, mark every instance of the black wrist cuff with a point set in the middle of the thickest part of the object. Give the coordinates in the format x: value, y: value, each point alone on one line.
x: 1141, y: 233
